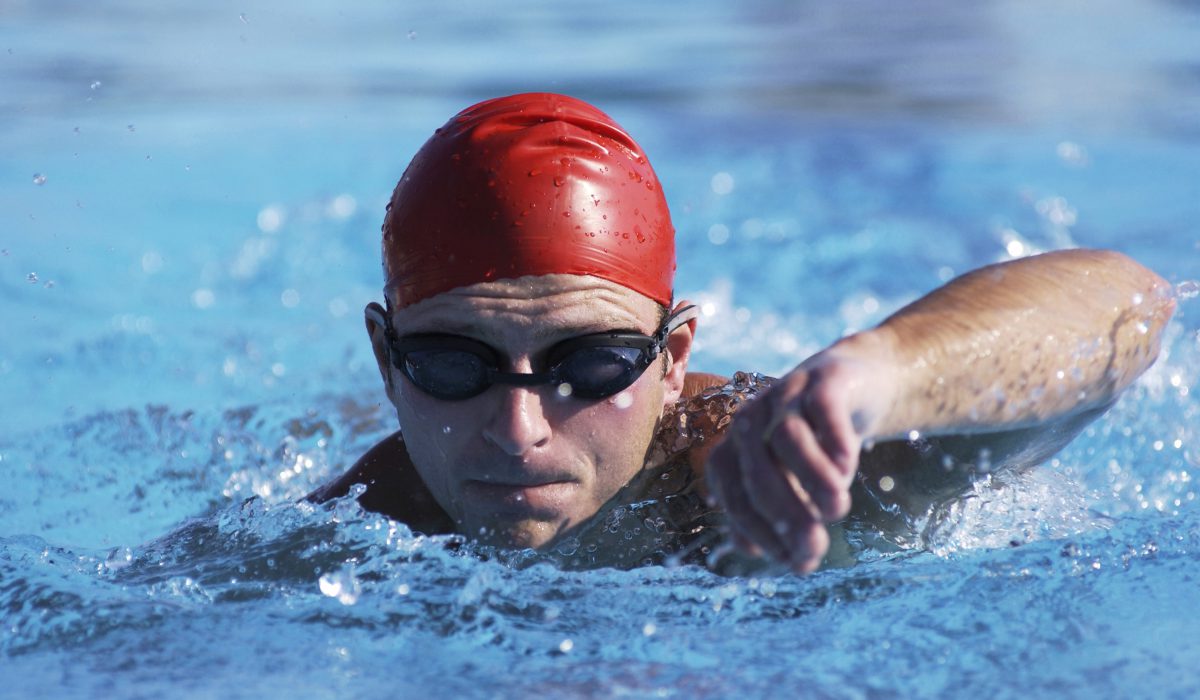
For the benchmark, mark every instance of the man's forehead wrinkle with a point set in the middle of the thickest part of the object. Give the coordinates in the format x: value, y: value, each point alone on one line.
x: 536, y: 307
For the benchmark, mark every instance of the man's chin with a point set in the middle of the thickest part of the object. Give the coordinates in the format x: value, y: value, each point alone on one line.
x: 521, y: 534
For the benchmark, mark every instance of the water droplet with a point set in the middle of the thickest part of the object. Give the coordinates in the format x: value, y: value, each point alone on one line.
x: 886, y: 484
x: 564, y: 390
x: 446, y: 430
x: 341, y: 585
x: 623, y: 400
x: 566, y: 645
x: 95, y: 85
x: 203, y: 298
x: 118, y: 559
x: 31, y: 278
x: 39, y: 179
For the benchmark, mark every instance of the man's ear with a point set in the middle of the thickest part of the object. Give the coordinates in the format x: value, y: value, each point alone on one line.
x: 679, y: 350
x: 375, y: 317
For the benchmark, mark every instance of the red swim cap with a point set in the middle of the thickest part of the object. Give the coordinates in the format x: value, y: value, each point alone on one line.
x: 527, y: 185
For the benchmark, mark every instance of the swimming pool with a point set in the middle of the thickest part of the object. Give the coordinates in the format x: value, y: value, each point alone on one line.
x: 191, y: 208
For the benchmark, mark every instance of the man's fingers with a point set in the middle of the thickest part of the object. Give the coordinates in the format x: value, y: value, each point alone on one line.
x: 833, y: 427
x: 728, y: 488
x: 775, y: 497
x: 795, y: 446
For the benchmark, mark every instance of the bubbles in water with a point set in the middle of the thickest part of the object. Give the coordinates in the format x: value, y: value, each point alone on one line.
x: 152, y: 262
x: 564, y: 390
x: 342, y: 206
x: 1072, y: 153
x: 39, y: 179
x: 718, y: 234
x: 270, y: 218
x: 412, y: 34
x: 1188, y: 289
x: 721, y: 183
x: 649, y: 629
x: 242, y: 17
x: 290, y: 298
x: 566, y: 645
x: 95, y: 85
x: 203, y: 298
x: 31, y: 278
x: 886, y: 484
x: 446, y: 430
x: 1057, y: 211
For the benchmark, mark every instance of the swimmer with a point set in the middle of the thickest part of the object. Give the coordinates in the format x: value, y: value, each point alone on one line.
x: 538, y: 362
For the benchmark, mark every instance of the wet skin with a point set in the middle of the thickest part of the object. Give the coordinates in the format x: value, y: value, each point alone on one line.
x: 519, y: 466
x: 1009, y: 361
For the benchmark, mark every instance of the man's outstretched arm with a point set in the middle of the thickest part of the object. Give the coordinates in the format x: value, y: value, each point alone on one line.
x: 1013, y: 358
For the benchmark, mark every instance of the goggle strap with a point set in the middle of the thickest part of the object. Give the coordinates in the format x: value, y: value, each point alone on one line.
x: 673, y: 322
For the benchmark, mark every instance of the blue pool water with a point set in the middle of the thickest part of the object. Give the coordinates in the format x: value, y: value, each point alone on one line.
x: 190, y: 200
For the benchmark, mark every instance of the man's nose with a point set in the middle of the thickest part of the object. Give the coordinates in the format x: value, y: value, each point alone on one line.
x: 519, y: 424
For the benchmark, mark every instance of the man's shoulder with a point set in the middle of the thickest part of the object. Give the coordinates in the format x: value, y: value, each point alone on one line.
x: 695, y: 423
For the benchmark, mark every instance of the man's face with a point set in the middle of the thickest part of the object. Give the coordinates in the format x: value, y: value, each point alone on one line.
x: 518, y: 466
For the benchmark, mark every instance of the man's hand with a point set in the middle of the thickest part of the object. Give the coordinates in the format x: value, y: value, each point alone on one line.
x: 1029, y: 350
x: 787, y: 461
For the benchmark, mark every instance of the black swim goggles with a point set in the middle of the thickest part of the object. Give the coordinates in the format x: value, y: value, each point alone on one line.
x: 593, y: 366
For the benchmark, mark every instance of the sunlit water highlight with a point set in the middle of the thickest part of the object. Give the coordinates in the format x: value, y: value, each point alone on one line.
x: 180, y: 284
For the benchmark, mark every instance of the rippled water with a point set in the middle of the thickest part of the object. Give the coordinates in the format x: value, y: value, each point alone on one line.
x: 189, y: 216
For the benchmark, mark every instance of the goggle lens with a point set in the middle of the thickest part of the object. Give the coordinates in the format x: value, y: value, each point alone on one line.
x: 453, y: 368
x: 447, y: 374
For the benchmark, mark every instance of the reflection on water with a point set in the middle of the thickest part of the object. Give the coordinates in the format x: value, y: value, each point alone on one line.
x: 203, y: 185
x: 1001, y: 60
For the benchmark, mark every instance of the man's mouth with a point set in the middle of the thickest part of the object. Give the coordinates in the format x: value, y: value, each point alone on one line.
x: 533, y: 499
